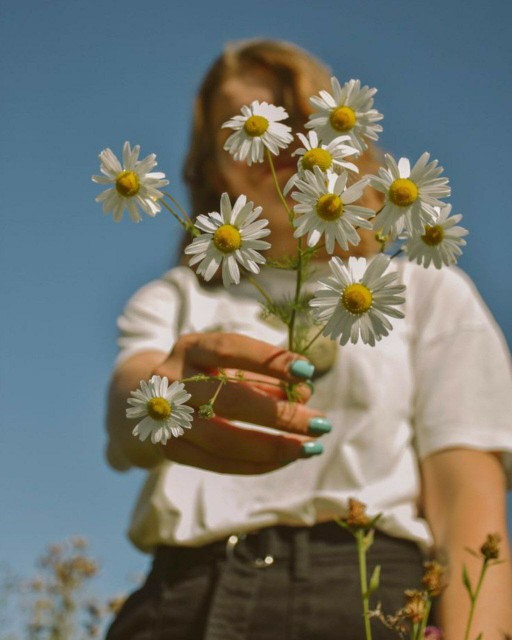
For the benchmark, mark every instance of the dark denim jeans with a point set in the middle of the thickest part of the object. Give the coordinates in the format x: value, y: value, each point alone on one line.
x: 284, y: 583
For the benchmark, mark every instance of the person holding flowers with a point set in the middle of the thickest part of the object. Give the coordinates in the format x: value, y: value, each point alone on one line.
x: 290, y: 370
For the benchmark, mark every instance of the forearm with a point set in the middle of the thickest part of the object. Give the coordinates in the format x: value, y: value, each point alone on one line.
x: 465, y: 500
x: 470, y: 520
x: 469, y: 526
x: 125, y: 450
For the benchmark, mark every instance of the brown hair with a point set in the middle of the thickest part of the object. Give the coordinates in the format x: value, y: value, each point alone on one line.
x: 300, y: 75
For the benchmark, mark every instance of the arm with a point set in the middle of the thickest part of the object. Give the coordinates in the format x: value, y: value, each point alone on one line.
x: 464, y: 499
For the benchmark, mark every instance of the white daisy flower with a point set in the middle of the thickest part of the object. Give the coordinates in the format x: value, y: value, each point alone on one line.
x: 230, y: 237
x: 258, y: 127
x: 132, y: 184
x: 324, y: 207
x: 355, y: 300
x: 329, y: 158
x: 439, y: 243
x: 162, y: 409
x: 411, y: 195
x: 347, y: 111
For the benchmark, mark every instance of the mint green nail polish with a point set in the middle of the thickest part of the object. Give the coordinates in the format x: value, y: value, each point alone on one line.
x: 309, y: 449
x: 318, y: 426
x: 302, y: 369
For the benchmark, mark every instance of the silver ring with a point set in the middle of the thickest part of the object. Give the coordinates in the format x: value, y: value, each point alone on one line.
x: 258, y: 563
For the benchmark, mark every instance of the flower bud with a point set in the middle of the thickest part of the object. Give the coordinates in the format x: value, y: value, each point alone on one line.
x: 433, y: 578
x: 415, y: 606
x: 491, y: 547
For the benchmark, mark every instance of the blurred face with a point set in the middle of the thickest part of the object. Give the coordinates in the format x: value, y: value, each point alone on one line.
x: 256, y: 181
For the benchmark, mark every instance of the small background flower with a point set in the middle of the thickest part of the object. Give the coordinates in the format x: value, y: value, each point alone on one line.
x: 258, y: 127
x: 133, y: 186
x: 162, y: 409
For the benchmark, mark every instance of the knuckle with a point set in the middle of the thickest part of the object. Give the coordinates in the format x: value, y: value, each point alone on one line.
x: 222, y: 344
x: 185, y: 341
x: 287, y: 414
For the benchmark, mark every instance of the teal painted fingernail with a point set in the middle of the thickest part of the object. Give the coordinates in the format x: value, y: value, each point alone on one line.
x: 311, y: 386
x: 318, y: 426
x: 302, y: 369
x: 309, y: 449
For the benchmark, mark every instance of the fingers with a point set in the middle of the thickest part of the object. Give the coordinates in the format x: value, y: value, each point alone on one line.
x: 221, y: 438
x: 233, y: 350
x: 252, y: 403
x: 238, y: 401
x: 184, y: 452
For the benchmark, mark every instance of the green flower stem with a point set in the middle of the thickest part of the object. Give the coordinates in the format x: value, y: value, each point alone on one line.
x: 474, y: 598
x: 179, y: 206
x: 280, y: 193
x: 414, y: 631
x: 215, y: 395
x: 298, y: 286
x: 361, y: 553
x: 223, y: 378
x: 313, y: 339
x: 257, y: 286
x: 421, y: 631
x: 183, y: 223
x: 300, y: 275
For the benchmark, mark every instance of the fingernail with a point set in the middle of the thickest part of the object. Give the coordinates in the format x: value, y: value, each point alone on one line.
x: 309, y: 449
x: 318, y: 426
x: 302, y: 369
x: 311, y: 386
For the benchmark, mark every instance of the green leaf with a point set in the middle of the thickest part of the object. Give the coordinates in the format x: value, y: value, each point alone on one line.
x: 480, y: 636
x: 368, y: 539
x: 374, y: 580
x: 345, y: 526
x: 467, y: 582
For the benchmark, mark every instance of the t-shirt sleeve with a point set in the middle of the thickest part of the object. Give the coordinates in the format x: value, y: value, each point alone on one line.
x: 149, y: 321
x: 463, y: 382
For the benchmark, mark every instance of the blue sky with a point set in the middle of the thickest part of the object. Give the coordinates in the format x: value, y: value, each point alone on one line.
x: 77, y: 77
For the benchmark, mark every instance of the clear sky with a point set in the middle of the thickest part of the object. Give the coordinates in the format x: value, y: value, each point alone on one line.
x: 78, y: 76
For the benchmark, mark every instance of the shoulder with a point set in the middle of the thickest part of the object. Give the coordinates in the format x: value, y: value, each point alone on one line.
x: 441, y: 301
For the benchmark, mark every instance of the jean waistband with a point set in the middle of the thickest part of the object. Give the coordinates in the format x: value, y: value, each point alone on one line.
x: 266, y: 545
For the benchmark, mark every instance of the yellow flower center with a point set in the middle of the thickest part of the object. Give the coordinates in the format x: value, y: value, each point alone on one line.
x: 127, y: 184
x: 433, y: 235
x: 227, y: 238
x: 158, y: 408
x: 343, y: 119
x: 329, y: 207
x: 255, y: 126
x: 403, y: 192
x: 316, y: 158
x: 357, y: 298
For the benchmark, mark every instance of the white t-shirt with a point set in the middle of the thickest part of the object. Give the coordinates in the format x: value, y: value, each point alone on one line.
x: 440, y: 379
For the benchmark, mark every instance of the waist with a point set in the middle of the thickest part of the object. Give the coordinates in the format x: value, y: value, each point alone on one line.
x: 271, y: 544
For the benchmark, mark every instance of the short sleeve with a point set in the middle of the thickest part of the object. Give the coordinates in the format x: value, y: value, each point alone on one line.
x: 150, y: 320
x: 463, y: 381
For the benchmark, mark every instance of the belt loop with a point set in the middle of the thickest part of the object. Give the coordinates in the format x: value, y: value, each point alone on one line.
x: 301, y: 561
